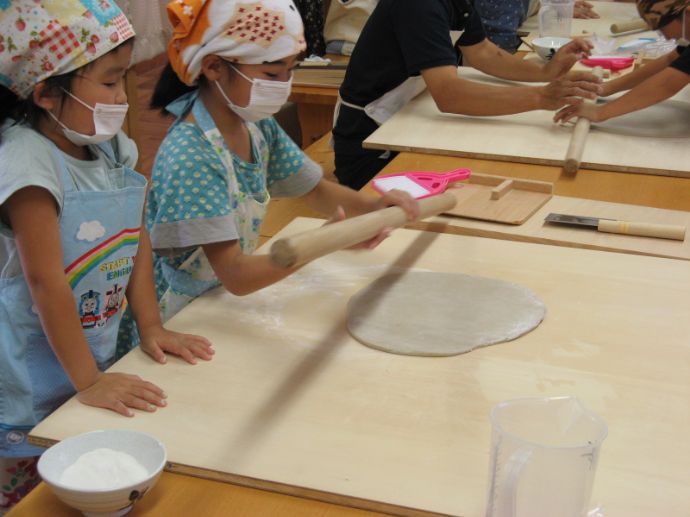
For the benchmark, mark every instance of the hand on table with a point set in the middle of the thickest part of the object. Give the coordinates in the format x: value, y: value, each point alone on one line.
x: 584, y: 9
x: 156, y: 340
x: 570, y: 89
x: 121, y: 391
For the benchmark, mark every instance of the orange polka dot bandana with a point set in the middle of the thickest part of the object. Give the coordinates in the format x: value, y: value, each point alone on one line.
x: 242, y: 31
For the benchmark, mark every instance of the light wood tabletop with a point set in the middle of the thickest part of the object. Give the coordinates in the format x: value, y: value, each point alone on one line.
x: 186, y: 495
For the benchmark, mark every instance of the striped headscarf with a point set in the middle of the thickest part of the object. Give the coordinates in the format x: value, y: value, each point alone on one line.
x: 242, y: 31
x: 659, y: 13
x: 42, y: 38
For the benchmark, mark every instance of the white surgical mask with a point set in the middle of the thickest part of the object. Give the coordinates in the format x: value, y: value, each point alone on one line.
x: 265, y: 98
x: 107, y: 120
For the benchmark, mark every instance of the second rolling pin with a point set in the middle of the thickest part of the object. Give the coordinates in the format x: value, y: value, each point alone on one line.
x: 312, y: 244
x: 573, y: 156
x: 632, y: 25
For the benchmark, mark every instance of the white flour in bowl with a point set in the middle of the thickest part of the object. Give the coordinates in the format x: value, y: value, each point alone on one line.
x: 103, y: 469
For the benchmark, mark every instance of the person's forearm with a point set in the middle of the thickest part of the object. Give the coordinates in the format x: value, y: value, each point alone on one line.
x: 40, y: 253
x: 495, y: 61
x: 632, y: 79
x: 243, y: 274
x: 479, y: 99
x: 652, y: 91
x: 328, y: 195
x: 58, y: 314
x: 141, y: 293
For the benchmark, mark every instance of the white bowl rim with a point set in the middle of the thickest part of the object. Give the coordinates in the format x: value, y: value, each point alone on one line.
x: 538, y: 42
x: 151, y: 477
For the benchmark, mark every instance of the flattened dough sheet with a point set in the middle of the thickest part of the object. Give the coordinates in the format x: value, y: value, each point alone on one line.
x: 440, y: 314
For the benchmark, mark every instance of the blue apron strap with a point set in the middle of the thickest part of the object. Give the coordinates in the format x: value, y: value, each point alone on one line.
x: 67, y: 183
x: 107, y: 149
x: 202, y: 116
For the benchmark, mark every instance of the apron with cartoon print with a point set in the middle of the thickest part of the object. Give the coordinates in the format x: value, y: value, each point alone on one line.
x: 99, y: 232
x: 195, y: 275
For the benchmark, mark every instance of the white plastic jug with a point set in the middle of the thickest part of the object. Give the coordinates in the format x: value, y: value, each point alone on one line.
x: 543, y: 458
x: 556, y: 18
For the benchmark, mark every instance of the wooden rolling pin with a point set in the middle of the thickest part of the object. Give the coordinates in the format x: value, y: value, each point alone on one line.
x: 312, y: 244
x: 573, y: 156
x: 632, y: 25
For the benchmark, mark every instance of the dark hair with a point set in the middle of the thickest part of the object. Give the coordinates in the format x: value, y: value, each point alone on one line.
x: 168, y: 88
x: 26, y: 111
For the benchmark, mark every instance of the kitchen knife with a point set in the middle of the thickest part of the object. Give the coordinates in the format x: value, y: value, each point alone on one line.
x: 662, y: 231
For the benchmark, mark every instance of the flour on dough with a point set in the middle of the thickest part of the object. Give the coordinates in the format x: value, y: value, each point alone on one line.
x: 668, y: 119
x: 440, y: 314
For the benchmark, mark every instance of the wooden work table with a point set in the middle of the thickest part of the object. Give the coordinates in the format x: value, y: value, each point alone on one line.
x: 181, y: 495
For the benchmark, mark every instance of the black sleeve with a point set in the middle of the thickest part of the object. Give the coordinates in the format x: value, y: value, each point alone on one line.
x: 474, y: 31
x: 422, y: 29
x: 682, y: 63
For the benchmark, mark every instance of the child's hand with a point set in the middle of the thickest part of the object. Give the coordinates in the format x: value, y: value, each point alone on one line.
x: 156, y: 340
x: 586, y: 110
x: 121, y: 391
x: 369, y: 244
x: 399, y: 198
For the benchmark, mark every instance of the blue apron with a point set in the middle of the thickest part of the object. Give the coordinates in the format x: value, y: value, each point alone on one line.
x: 99, y: 232
x: 195, y: 275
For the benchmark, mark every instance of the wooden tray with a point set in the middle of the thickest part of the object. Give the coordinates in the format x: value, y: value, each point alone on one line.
x: 500, y: 199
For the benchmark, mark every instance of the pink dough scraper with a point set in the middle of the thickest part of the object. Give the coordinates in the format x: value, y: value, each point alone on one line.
x: 419, y: 184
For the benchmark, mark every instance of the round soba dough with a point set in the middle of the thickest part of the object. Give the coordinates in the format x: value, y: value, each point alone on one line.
x: 440, y: 314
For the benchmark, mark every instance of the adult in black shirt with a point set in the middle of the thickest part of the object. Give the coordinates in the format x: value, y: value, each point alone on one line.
x: 406, y: 45
x: 654, y: 82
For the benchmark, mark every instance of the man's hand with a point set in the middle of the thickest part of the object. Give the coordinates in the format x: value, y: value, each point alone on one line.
x: 584, y: 9
x: 570, y: 90
x: 566, y: 57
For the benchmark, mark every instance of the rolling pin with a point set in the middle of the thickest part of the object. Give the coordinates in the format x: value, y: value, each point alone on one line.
x: 573, y: 156
x: 632, y: 25
x: 312, y: 244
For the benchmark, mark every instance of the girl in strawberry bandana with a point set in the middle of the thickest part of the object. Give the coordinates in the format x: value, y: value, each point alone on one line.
x: 70, y: 226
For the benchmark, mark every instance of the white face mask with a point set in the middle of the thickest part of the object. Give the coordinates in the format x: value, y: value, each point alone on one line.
x: 107, y: 120
x: 265, y: 98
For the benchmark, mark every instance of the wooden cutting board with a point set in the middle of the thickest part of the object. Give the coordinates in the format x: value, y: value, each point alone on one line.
x: 500, y: 199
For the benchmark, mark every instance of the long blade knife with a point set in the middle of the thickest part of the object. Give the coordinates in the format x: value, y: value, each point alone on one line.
x: 662, y: 231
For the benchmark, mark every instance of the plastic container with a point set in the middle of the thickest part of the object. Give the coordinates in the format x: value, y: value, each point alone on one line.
x: 544, y: 457
x: 556, y: 18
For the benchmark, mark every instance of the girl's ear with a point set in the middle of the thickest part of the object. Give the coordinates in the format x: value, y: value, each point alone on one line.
x: 45, y: 97
x: 212, y: 67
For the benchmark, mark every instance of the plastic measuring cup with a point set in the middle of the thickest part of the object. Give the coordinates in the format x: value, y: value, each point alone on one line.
x: 556, y: 18
x: 543, y: 458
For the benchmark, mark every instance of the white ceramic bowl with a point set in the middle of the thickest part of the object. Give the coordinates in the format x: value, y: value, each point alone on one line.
x: 146, y: 449
x: 547, y: 46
